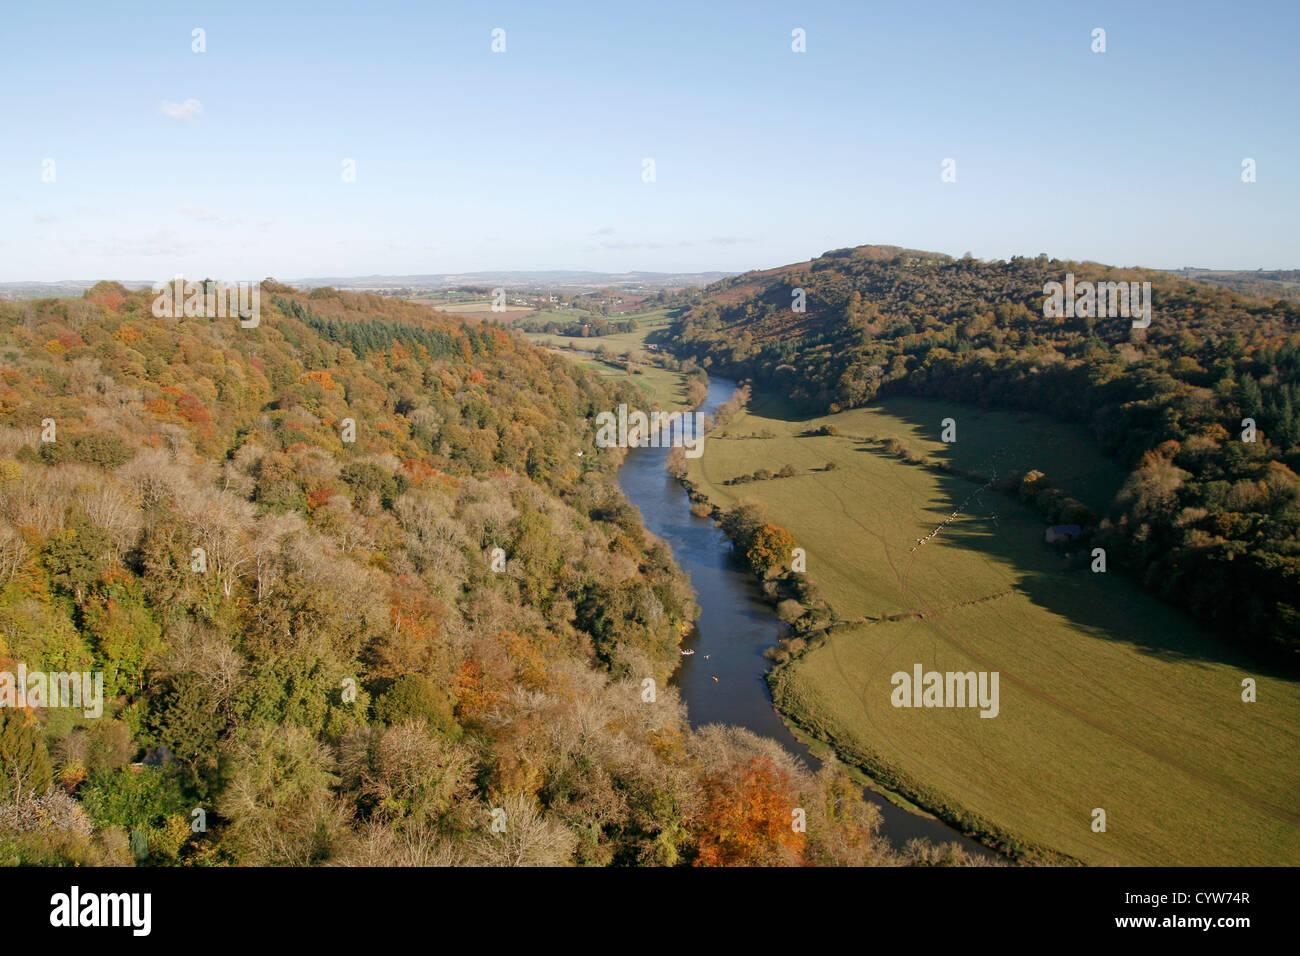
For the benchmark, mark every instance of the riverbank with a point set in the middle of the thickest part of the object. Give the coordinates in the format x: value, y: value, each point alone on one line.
x: 736, y: 628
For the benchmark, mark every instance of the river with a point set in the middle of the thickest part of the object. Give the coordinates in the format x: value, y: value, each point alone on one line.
x: 735, y: 626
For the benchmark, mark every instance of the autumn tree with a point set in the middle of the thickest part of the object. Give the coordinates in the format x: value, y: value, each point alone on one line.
x: 748, y: 817
x: 843, y: 827
x: 771, y: 548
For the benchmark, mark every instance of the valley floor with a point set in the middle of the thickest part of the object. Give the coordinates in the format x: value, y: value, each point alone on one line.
x: 1109, y: 699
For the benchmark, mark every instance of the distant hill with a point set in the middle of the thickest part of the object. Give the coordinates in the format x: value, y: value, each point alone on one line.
x: 552, y: 281
x: 60, y: 289
x: 1261, y: 283
x: 521, y: 280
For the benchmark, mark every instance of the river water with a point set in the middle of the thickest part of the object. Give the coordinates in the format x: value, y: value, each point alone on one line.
x: 735, y: 626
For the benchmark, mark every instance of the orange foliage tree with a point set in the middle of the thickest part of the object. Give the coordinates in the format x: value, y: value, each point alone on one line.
x: 416, y: 618
x: 748, y: 818
x: 771, y: 548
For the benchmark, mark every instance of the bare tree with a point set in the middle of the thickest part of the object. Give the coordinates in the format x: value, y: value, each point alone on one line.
x: 524, y: 837
x: 13, y: 552
x: 222, y: 527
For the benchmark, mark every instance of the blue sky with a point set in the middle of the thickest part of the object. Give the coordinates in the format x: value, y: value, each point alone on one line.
x: 532, y: 158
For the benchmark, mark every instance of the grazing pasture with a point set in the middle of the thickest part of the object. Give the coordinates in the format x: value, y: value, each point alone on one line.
x: 1109, y: 699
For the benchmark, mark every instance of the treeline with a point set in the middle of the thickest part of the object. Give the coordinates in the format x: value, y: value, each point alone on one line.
x: 366, y: 336
x: 1206, y: 519
x: 769, y: 550
x: 359, y: 585
x: 593, y: 325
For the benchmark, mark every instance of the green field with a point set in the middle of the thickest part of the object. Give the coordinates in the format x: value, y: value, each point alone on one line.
x: 1108, y: 698
x: 564, y: 315
x: 618, y: 343
x: 665, y: 390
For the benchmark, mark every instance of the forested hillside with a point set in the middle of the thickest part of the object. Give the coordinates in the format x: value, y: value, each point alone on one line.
x: 278, y: 545
x: 1206, y: 519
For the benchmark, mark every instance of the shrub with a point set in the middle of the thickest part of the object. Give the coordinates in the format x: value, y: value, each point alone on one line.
x: 789, y: 610
x: 56, y: 811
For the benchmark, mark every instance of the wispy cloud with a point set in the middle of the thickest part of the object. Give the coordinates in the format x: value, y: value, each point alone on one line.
x: 161, y: 244
x: 183, y: 111
x: 201, y: 213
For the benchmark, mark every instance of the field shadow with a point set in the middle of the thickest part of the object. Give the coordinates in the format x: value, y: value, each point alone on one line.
x: 1095, y: 484
x: 659, y: 337
x: 778, y: 408
x: 1110, y: 607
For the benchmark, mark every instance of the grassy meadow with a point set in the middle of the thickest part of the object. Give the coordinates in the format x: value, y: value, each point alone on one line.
x: 665, y: 390
x: 1109, y: 698
x: 618, y: 343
